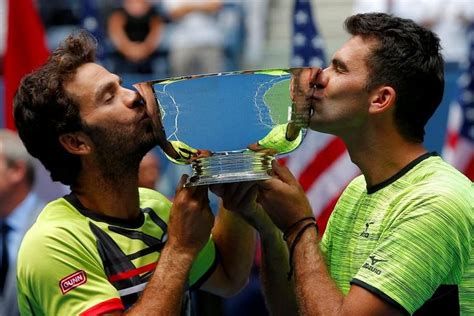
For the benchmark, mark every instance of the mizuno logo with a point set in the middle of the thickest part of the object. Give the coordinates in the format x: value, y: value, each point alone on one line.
x: 375, y: 260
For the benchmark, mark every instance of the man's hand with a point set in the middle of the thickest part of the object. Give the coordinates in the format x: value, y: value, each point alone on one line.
x: 191, y: 219
x: 283, y: 198
x: 240, y: 198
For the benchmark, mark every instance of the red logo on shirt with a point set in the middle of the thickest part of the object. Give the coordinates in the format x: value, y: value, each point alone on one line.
x: 72, y: 281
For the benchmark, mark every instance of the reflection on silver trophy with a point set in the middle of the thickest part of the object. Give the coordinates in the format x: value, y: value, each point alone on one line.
x: 230, y: 126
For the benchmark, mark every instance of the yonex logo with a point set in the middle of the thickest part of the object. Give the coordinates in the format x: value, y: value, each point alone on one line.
x: 72, y: 281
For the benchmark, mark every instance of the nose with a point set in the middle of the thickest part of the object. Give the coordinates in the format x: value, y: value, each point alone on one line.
x: 319, y: 79
x: 132, y: 98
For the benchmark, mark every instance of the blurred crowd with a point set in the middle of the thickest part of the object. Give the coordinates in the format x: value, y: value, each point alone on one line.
x: 162, y: 37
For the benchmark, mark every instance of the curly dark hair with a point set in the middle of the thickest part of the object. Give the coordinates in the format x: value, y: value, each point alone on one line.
x: 43, y: 110
x: 407, y: 58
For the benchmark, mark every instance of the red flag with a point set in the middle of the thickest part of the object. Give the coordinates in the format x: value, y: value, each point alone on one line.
x: 25, y: 50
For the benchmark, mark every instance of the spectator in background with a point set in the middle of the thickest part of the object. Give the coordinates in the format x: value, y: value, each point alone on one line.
x: 450, y: 20
x: 134, y: 31
x: 409, y: 9
x: 149, y: 171
x: 19, y: 207
x: 196, y: 41
x: 60, y: 17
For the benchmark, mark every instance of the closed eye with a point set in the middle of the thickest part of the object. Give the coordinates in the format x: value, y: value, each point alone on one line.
x: 339, y: 66
x: 108, y: 98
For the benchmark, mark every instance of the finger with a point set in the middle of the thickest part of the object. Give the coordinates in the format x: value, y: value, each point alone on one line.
x: 181, y: 183
x: 181, y: 189
x: 250, y: 195
x: 201, y: 194
x: 269, y: 184
x: 244, y: 193
x: 232, y: 188
x: 283, y: 173
x: 217, y: 189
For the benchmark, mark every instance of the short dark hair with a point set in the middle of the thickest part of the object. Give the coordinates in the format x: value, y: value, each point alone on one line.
x: 406, y: 57
x: 43, y: 110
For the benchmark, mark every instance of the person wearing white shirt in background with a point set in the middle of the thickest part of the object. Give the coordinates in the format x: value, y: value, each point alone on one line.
x: 196, y: 41
x: 19, y: 207
x: 409, y: 9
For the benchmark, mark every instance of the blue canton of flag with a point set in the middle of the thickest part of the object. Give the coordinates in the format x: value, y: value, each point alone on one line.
x: 90, y: 22
x: 308, y: 46
x: 467, y: 97
x: 459, y: 147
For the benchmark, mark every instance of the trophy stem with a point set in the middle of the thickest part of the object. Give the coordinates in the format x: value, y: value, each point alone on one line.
x: 231, y: 167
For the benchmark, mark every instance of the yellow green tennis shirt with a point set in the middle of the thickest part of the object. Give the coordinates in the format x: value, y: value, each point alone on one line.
x: 408, y: 240
x: 75, y: 262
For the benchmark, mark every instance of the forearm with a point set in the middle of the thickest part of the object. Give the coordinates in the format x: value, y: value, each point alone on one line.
x: 278, y: 290
x: 316, y: 292
x: 153, y: 38
x: 235, y: 240
x: 163, y: 294
x: 116, y: 31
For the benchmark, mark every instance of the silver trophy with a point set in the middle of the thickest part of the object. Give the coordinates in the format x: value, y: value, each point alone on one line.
x: 230, y: 126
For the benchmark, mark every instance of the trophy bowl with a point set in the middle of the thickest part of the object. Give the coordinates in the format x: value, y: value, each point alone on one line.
x: 230, y: 126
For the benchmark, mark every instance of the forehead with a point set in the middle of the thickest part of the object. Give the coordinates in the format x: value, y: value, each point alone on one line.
x: 355, y: 51
x: 87, y: 80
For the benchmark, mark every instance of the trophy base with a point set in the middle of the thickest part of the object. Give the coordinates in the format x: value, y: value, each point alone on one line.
x: 230, y: 167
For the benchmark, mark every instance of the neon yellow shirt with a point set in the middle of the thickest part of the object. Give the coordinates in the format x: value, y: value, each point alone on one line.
x: 75, y: 262
x: 408, y: 239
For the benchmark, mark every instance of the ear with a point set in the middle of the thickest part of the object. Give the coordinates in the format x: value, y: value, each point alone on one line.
x: 76, y: 143
x: 382, y: 99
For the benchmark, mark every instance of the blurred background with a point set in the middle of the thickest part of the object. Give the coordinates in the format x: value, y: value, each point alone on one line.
x: 143, y: 40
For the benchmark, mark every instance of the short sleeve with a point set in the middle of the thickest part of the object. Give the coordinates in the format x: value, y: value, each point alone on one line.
x: 58, y: 274
x: 204, y: 265
x: 424, y: 247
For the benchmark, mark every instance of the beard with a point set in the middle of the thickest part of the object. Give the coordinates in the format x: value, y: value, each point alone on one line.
x: 118, y: 150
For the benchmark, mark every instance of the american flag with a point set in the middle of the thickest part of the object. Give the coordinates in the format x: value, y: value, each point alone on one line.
x: 321, y: 164
x: 459, y: 147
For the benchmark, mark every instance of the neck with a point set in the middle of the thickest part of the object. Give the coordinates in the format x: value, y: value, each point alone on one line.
x: 13, y: 198
x: 115, y: 197
x: 382, y: 156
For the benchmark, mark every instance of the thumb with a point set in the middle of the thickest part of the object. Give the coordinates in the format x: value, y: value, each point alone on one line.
x: 181, y: 183
x: 283, y: 173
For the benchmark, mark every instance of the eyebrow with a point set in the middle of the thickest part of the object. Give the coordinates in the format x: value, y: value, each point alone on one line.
x: 339, y: 63
x: 107, y: 87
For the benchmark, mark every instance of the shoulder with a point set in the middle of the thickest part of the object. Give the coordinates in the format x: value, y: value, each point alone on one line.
x: 439, y: 185
x: 60, y: 228
x: 354, y: 190
x: 149, y: 198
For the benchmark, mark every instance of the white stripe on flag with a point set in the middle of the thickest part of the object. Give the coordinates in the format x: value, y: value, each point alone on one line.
x: 331, y: 182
